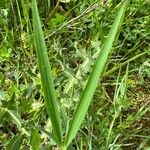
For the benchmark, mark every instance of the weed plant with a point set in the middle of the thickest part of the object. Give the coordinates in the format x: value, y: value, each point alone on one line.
x: 77, y: 77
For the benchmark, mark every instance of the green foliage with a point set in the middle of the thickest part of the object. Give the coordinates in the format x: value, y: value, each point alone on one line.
x: 74, y: 32
x: 15, y: 142
x: 93, y: 80
x: 35, y: 139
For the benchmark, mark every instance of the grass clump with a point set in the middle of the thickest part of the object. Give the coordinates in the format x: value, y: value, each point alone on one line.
x: 96, y: 92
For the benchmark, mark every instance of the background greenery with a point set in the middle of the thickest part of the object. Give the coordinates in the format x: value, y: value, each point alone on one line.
x: 118, y: 117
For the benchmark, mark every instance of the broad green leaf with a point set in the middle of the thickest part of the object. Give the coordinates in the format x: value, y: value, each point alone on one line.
x: 35, y: 139
x: 15, y: 143
x: 93, y: 80
x: 46, y: 76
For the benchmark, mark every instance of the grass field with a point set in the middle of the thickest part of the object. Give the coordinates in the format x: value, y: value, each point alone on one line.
x: 75, y: 75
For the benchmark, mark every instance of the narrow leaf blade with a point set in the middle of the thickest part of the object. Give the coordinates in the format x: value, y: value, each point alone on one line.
x: 46, y: 76
x: 35, y: 139
x: 92, y: 83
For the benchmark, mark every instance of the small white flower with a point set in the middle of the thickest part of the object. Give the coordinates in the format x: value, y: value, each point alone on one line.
x: 36, y: 105
x: 146, y: 63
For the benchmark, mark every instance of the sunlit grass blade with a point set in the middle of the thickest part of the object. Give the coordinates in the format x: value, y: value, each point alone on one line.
x: 92, y: 83
x: 46, y: 76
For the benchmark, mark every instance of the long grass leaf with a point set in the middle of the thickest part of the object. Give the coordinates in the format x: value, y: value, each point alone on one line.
x: 46, y: 76
x: 35, y: 139
x: 92, y: 83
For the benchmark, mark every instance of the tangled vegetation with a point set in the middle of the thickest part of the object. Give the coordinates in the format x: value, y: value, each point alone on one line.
x: 76, y: 34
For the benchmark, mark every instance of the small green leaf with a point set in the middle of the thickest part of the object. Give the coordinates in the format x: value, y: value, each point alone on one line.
x: 4, y: 53
x: 17, y: 120
x: 57, y: 20
x: 124, y: 102
x: 15, y: 143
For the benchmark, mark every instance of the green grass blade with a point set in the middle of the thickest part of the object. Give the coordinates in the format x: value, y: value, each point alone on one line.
x: 94, y: 77
x: 46, y: 76
x: 124, y: 63
x: 35, y: 139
